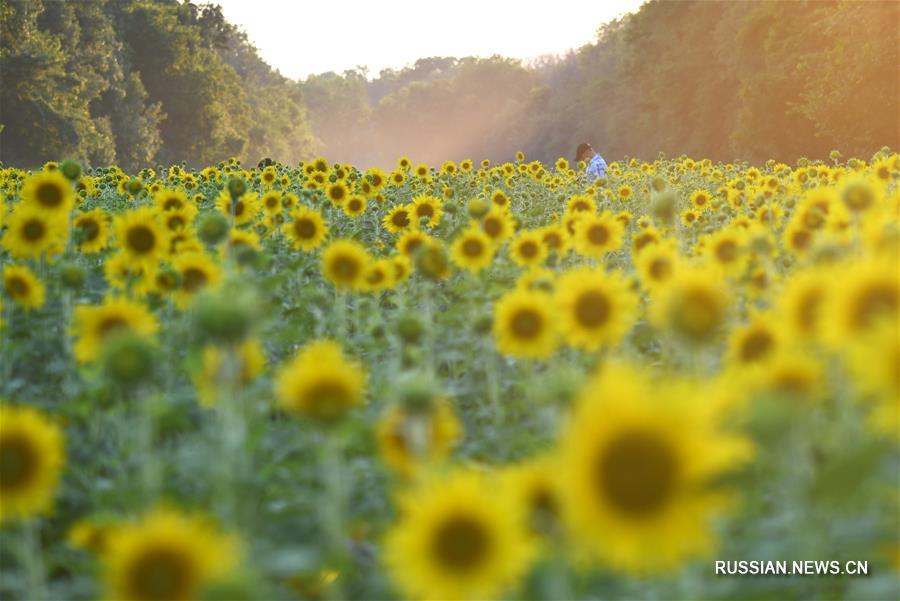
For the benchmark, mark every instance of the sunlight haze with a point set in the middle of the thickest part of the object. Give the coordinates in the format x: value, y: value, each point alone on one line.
x: 300, y: 41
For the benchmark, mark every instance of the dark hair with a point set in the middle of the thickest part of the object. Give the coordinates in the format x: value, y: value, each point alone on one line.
x: 582, y: 150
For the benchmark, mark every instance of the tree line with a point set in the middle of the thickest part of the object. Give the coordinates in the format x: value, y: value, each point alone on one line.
x: 139, y: 83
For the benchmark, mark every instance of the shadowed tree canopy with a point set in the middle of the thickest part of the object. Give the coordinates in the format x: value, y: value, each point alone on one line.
x: 139, y: 82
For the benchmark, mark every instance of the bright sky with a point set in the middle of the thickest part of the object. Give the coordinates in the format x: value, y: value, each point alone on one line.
x: 301, y: 38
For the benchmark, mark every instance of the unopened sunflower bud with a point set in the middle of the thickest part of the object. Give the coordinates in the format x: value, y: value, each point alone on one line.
x: 218, y: 317
x: 236, y: 187
x: 213, y: 228
x: 128, y: 359
x: 432, y: 262
x: 71, y: 169
x: 410, y: 329
x: 71, y: 275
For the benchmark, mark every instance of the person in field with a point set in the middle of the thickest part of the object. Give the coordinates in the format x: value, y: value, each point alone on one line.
x: 596, y: 166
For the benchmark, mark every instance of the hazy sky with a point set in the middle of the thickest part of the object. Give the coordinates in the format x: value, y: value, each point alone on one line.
x: 300, y: 38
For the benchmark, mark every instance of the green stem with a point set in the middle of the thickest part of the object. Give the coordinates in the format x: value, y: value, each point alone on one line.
x: 332, y: 503
x: 33, y: 559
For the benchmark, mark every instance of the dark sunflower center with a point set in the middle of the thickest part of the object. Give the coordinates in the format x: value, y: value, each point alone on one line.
x: 304, y: 228
x: 141, y: 239
x: 193, y: 279
x: 801, y: 239
x: 18, y: 462
x: 34, y: 230
x: 756, y: 345
x: 355, y: 205
x: 473, y: 248
x: 660, y: 269
x: 726, y: 251
x: 345, y: 268
x: 425, y: 210
x: 636, y: 473
x: 109, y: 325
x: 336, y: 193
x: 552, y: 240
x: 238, y: 208
x: 492, y: 227
x: 49, y: 195
x: 17, y: 286
x: 461, y: 543
x: 696, y: 314
x: 878, y: 299
x: 90, y: 228
x: 412, y: 244
x: 598, y: 234
x: 172, y: 203
x: 528, y: 249
x: 592, y: 309
x: 400, y: 219
x: 326, y: 399
x: 700, y: 200
x: 176, y: 222
x: 160, y: 575
x: 526, y: 323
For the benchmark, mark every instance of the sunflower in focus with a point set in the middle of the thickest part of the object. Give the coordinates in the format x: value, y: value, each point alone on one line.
x: 166, y: 555
x: 399, y: 219
x: 595, y: 308
x: 426, y: 210
x: 597, y: 235
x: 306, y: 230
x: 141, y: 238
x: 354, y: 206
x: 498, y: 225
x: 472, y: 250
x: 23, y: 286
x: 638, y: 465
x: 457, y: 539
x: 524, y: 324
x: 92, y: 325
x: 344, y: 263
x: 32, y: 456
x: 320, y: 382
x: 337, y: 193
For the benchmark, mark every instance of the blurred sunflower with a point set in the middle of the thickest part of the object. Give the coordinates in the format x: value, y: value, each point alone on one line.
x: 426, y: 210
x: 92, y: 325
x: 527, y: 248
x: 32, y: 456
x: 307, y: 229
x: 141, y: 238
x: 595, y: 308
x: 497, y: 224
x: 411, y: 438
x: 694, y: 305
x: 166, y: 555
x: 32, y: 232
x: 457, y: 538
x: 247, y: 362
x: 92, y: 230
x: 597, y: 235
x: 50, y: 192
x: 23, y: 286
x: 320, y: 382
x: 344, y: 263
x: 472, y: 250
x: 196, y: 272
x: 524, y: 324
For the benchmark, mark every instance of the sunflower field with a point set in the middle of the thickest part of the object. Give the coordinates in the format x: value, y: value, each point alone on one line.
x: 465, y: 381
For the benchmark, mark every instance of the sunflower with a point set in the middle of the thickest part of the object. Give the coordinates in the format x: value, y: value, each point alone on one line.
x: 535, y: 486
x: 404, y: 164
x: 701, y: 200
x: 873, y: 360
x: 377, y: 178
x: 166, y: 555
x: 397, y: 178
x: 93, y: 324
x: 423, y: 172
x: 865, y: 293
x: 92, y: 231
x: 32, y: 232
x: 595, y: 308
x: 754, y: 343
x: 344, y: 262
x: 337, y: 193
x: 527, y: 248
x: 524, y: 325
x: 426, y: 210
x: 694, y: 305
x: 32, y: 456
x: 625, y: 192
x: 196, y: 271
x: 306, y: 230
x: 399, y: 219
x: 246, y: 364
x: 378, y: 276
x: 410, y: 439
x: 271, y: 202
x: 355, y: 205
x: 639, y: 461
x: 411, y: 241
x: 597, y: 235
x: 23, y: 286
x: 500, y: 199
x: 472, y: 250
x: 457, y: 539
x: 657, y: 264
x: 242, y: 209
x: 178, y: 220
x: 555, y: 238
x: 171, y: 200
x: 497, y: 224
x: 725, y: 249
x: 141, y: 238
x: 121, y: 274
x: 320, y: 382
x: 50, y: 192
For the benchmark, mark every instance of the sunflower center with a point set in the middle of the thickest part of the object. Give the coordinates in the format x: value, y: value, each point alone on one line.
x: 34, y: 230
x: 636, y: 473
x: 526, y: 323
x: 400, y: 219
x: 49, y: 195
x: 696, y: 314
x: 17, y: 286
x: 176, y: 222
x: 528, y: 249
x: 425, y: 210
x: 304, y: 228
x: 756, y: 345
x: 90, y: 228
x: 193, y: 278
x: 355, y: 205
x: 336, y: 193
x: 801, y: 239
x: 472, y: 248
x: 878, y: 299
x: 598, y: 234
x: 553, y: 240
x: 326, y: 399
x: 109, y: 325
x: 726, y: 251
x: 141, y: 239
x: 158, y: 575
x: 461, y: 543
x: 592, y: 309
x: 172, y: 203
x: 18, y: 462
x: 660, y: 269
x: 492, y: 227
x: 345, y: 268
